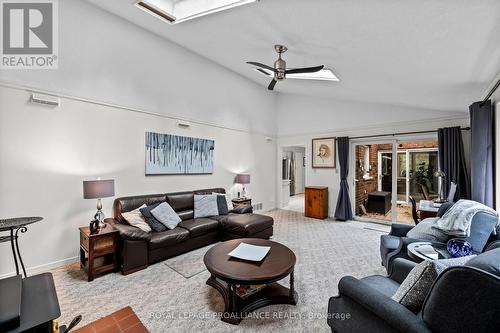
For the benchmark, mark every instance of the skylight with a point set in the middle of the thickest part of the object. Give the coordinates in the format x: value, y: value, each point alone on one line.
x: 325, y: 75
x: 177, y: 11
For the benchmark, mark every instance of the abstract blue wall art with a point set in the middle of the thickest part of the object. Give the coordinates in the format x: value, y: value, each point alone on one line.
x: 168, y: 154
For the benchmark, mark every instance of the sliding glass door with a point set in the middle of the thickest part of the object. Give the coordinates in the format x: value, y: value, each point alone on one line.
x: 378, y: 175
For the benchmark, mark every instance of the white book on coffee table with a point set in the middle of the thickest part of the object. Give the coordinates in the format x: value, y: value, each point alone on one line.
x: 249, y: 252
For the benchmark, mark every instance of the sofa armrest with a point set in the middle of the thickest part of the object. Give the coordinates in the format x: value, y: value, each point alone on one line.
x: 493, y: 245
x: 399, y: 229
x: 394, y: 314
x: 402, y: 251
x: 242, y: 210
x: 401, y: 268
x: 129, y: 232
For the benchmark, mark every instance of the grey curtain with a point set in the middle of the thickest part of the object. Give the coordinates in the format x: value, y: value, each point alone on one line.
x: 482, y: 177
x: 452, y: 161
x: 343, y: 211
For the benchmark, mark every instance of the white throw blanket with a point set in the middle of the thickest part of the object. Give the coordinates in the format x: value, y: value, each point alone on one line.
x: 457, y: 220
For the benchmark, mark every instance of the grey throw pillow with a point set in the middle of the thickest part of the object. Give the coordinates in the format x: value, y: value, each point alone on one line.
x: 205, y: 205
x: 222, y: 204
x: 151, y: 220
x: 412, y: 292
x: 229, y: 202
x: 425, y: 231
x: 488, y: 261
x: 166, y: 215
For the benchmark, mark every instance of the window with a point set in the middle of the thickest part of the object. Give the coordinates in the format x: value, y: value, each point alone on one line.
x: 177, y: 11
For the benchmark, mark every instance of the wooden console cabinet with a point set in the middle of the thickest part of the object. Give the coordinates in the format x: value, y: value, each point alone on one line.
x: 316, y: 204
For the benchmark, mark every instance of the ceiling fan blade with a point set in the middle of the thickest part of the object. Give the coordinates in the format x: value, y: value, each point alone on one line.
x: 304, y: 70
x: 258, y: 64
x: 272, y: 84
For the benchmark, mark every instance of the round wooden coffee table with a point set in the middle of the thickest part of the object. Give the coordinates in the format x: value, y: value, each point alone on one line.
x: 227, y: 272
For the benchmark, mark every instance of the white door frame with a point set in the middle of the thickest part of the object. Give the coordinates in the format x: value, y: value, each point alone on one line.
x: 281, y: 149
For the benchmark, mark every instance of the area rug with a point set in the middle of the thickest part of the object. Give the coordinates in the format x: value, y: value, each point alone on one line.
x: 166, y: 301
x: 189, y: 264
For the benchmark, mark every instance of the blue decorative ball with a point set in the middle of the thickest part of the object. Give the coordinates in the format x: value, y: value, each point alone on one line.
x: 458, y: 247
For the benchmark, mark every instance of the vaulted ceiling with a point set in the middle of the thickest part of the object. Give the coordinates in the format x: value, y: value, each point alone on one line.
x: 439, y: 55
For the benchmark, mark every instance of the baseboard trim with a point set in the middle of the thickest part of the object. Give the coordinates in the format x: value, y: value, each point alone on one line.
x: 44, y: 267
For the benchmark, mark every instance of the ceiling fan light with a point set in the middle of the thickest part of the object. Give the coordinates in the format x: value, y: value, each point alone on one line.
x: 322, y: 75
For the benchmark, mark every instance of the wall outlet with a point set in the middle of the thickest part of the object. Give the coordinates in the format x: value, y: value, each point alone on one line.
x: 257, y: 206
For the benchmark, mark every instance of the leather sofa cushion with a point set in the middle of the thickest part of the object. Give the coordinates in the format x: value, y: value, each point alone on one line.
x: 245, y: 224
x: 186, y: 214
x: 127, y: 204
x: 168, y: 238
x: 199, y: 226
x: 181, y: 201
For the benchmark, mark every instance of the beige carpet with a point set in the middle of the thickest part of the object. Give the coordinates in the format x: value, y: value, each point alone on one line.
x: 166, y: 301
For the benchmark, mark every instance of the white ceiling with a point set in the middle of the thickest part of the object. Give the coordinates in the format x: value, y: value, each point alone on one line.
x: 439, y: 55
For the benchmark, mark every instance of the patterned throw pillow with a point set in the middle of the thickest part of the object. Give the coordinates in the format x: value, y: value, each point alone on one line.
x: 135, y: 219
x: 205, y: 205
x: 151, y: 220
x: 166, y: 215
x: 425, y: 231
x: 412, y: 292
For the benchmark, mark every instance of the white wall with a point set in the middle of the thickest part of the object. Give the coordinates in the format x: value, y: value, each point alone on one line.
x: 46, y: 153
x: 305, y: 115
x: 106, y: 58
x: 301, y: 119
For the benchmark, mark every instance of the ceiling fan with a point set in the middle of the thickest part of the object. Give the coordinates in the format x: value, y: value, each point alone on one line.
x: 280, y: 70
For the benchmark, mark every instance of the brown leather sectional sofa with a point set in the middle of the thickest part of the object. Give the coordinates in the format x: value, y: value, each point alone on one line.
x: 138, y: 249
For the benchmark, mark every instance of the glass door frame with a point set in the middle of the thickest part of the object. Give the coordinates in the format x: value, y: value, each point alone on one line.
x: 352, y: 179
x: 407, y: 153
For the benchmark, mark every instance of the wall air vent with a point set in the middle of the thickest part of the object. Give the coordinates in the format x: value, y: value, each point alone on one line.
x: 50, y: 100
x: 152, y: 9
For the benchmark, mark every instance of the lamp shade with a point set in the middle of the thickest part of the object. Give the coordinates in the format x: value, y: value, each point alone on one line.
x: 242, y: 178
x: 96, y: 189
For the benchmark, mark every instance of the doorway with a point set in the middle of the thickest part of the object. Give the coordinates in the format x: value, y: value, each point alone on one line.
x: 383, y: 185
x: 293, y: 178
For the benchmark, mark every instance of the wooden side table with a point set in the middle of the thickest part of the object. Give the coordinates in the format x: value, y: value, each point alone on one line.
x: 427, y: 209
x: 316, y: 202
x: 98, y: 251
x: 241, y: 202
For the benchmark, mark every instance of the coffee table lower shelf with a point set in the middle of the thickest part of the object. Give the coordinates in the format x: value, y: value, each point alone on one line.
x: 236, y: 308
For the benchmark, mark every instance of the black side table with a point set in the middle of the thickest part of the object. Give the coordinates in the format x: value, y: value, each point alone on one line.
x: 14, y: 225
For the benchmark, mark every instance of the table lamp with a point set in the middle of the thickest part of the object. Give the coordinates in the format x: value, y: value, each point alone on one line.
x: 97, y: 189
x: 242, y: 178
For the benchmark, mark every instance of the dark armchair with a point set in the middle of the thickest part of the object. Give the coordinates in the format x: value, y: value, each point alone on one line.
x: 365, y: 305
x: 394, y: 245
